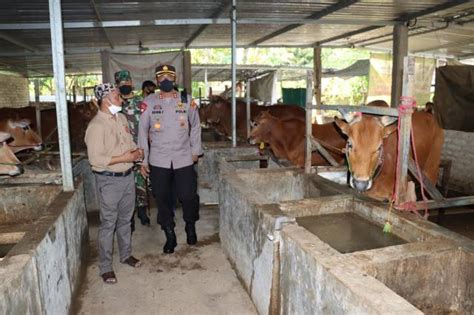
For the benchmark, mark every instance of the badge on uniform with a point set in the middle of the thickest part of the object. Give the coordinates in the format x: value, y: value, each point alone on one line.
x: 142, y: 106
x: 180, y: 108
x: 182, y: 121
x: 157, y: 125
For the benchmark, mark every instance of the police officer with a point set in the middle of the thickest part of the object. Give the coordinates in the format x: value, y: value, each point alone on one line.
x: 172, y: 123
x: 111, y: 153
x: 133, y: 108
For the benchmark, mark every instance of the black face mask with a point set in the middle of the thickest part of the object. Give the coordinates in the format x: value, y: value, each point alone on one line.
x: 166, y: 85
x: 125, y: 89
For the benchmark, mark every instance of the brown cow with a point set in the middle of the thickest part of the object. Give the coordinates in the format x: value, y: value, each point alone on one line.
x: 218, y: 114
x: 24, y: 137
x: 79, y: 116
x: 9, y: 164
x: 286, y: 138
x: 372, y: 150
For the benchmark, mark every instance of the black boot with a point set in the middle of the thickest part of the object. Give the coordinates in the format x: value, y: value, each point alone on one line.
x: 191, y: 236
x: 170, y: 240
x: 141, y: 214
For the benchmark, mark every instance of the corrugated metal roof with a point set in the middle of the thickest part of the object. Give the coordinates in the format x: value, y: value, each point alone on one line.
x: 448, y: 31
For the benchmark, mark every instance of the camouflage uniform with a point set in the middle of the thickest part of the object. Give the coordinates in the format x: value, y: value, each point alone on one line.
x: 132, y: 108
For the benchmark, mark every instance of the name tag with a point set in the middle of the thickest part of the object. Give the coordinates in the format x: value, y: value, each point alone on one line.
x: 181, y: 111
x: 157, y: 112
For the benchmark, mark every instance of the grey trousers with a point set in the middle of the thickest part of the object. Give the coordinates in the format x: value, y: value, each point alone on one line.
x: 117, y: 203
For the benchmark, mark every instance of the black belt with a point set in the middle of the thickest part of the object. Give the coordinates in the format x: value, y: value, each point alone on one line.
x: 114, y: 174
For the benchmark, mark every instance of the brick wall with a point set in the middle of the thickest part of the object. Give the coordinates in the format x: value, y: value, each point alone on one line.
x: 13, y: 90
x: 459, y: 148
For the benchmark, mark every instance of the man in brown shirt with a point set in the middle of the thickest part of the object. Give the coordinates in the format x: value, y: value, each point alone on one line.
x: 111, y: 153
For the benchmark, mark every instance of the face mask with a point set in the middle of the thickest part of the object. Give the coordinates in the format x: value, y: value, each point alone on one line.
x: 125, y: 89
x: 114, y: 109
x: 166, y: 85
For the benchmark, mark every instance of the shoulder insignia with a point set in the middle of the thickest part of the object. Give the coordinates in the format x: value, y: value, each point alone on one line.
x: 161, y: 95
x: 193, y: 104
x: 142, y: 107
x: 175, y: 95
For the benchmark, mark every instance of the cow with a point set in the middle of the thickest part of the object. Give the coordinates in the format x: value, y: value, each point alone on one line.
x: 9, y: 164
x: 286, y: 138
x: 79, y: 116
x: 372, y: 150
x: 218, y: 114
x: 24, y: 137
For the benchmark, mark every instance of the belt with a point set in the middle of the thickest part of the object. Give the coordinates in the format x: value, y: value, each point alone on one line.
x: 114, y: 174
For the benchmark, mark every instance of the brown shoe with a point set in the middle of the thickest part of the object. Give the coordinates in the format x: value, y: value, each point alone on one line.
x: 132, y: 262
x: 109, y: 277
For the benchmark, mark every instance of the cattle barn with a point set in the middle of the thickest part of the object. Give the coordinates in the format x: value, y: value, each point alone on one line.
x: 314, y: 209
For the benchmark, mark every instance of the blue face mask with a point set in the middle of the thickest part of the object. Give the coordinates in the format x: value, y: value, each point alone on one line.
x: 166, y: 85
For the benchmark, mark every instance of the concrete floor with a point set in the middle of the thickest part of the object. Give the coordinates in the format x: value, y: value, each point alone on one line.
x: 194, y: 280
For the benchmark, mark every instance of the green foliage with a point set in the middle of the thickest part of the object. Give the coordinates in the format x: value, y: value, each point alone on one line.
x: 47, y: 86
x: 334, y: 90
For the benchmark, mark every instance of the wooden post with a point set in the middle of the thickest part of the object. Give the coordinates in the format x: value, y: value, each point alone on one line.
x: 400, y: 51
x: 403, y: 156
x: 37, y: 108
x: 309, y: 127
x: 74, y: 99
x: 247, y: 91
x: 317, y: 75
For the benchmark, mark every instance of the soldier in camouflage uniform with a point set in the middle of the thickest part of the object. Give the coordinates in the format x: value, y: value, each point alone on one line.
x: 132, y: 107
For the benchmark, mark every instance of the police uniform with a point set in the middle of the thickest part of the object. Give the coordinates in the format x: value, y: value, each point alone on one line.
x: 175, y: 136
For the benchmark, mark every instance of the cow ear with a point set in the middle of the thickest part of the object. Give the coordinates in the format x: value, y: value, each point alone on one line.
x: 387, y: 120
x: 4, y: 136
x: 389, y: 130
x: 345, y: 128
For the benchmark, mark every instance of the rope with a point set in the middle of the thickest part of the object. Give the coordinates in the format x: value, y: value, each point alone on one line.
x: 406, y: 106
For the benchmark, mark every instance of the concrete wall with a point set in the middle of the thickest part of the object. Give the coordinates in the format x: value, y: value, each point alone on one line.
x: 243, y: 232
x: 21, y: 204
x: 14, y: 90
x: 42, y: 272
x: 288, y: 270
x: 459, y: 148
x: 208, y: 170
x: 315, y: 279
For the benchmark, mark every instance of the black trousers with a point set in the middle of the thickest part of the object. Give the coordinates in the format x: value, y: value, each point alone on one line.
x: 185, y: 185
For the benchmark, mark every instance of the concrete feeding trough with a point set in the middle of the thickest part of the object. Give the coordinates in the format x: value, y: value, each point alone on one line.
x: 208, y: 169
x: 303, y: 245
x: 43, y: 243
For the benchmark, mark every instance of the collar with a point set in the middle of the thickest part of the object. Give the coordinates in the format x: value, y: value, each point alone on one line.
x: 106, y: 116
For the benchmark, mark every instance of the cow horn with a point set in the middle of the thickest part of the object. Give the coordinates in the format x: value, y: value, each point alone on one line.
x: 4, y: 136
x: 350, y: 117
x: 388, y: 120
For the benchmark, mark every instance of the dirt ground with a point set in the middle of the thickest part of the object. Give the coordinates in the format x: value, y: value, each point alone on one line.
x: 194, y: 280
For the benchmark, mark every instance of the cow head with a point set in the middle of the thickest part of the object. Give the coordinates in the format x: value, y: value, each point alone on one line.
x: 88, y: 110
x: 9, y: 164
x: 23, y: 136
x: 261, y: 128
x: 364, y: 150
x: 214, y: 111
